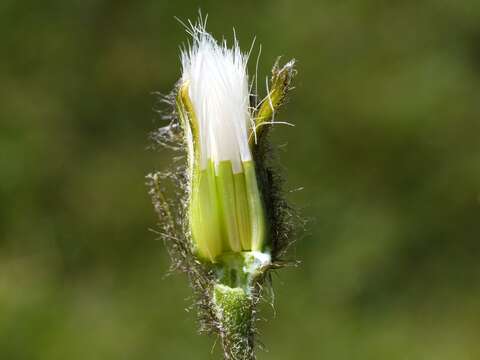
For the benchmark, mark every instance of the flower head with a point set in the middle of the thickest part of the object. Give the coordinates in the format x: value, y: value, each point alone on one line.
x: 225, y: 209
x: 236, y: 223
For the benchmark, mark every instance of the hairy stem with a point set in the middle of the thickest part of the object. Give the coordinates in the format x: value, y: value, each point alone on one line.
x: 234, y: 312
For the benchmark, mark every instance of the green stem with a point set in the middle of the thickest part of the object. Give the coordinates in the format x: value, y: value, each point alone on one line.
x: 234, y: 312
x: 234, y: 301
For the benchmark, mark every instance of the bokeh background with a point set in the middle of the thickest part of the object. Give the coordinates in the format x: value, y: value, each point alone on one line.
x: 386, y: 148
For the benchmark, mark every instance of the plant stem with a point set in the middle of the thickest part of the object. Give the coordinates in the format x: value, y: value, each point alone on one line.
x: 234, y: 312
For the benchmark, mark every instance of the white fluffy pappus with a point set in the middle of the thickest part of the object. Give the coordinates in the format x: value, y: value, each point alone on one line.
x: 218, y: 87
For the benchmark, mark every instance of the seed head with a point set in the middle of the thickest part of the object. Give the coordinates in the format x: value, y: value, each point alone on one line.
x: 225, y: 209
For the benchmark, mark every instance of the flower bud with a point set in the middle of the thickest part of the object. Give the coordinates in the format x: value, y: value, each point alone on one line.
x: 231, y: 187
x: 226, y: 213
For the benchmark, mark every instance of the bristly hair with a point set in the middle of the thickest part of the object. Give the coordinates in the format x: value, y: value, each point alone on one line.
x: 172, y: 213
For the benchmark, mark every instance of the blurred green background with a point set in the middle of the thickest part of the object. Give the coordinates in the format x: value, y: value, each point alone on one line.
x: 386, y: 147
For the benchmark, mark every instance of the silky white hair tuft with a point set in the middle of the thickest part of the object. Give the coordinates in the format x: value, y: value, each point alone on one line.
x: 218, y: 87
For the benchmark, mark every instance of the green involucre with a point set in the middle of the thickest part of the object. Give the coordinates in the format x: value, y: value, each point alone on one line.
x: 226, y: 210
